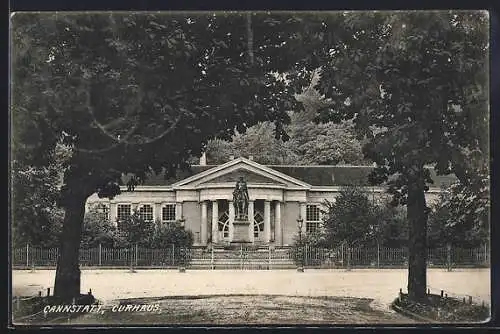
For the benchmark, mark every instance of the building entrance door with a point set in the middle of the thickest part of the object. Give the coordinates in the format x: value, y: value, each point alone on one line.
x: 258, y: 226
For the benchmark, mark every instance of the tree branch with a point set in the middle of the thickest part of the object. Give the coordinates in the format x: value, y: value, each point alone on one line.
x: 250, y: 37
x: 103, y: 128
x: 160, y: 136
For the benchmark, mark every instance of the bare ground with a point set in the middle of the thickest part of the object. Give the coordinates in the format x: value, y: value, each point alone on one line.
x: 251, y: 310
x: 281, y: 296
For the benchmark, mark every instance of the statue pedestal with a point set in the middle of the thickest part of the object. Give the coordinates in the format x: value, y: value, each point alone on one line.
x: 241, y: 232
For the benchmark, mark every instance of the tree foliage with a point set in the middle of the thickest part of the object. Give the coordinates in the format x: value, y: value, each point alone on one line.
x: 122, y: 102
x: 350, y: 218
x: 356, y: 219
x: 459, y: 218
x: 427, y: 91
x: 36, y: 217
x: 99, y: 230
x: 166, y: 235
x: 309, y: 144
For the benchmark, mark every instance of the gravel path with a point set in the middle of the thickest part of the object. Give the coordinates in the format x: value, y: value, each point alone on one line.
x: 380, y: 286
x: 251, y: 310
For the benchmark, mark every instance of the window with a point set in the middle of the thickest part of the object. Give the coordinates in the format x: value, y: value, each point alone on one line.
x: 146, y: 212
x: 123, y: 212
x: 103, y: 209
x: 168, y: 213
x: 311, y: 226
x: 312, y: 213
x: 313, y: 218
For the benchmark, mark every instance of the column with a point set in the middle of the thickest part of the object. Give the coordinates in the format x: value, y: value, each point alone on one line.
x: 113, y: 211
x: 250, y: 219
x: 277, y: 223
x: 303, y: 215
x: 215, y: 221
x: 204, y: 222
x: 267, y: 220
x: 178, y: 210
x: 157, y: 211
x: 231, y: 219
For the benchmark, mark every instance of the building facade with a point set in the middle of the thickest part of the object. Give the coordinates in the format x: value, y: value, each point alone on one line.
x: 279, y: 196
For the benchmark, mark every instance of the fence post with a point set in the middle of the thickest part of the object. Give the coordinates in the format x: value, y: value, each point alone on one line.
x: 342, y: 254
x: 348, y: 258
x: 130, y: 254
x: 306, y: 256
x: 136, y: 253
x: 269, y: 253
x: 173, y: 254
x: 486, y: 254
x: 27, y: 255
x: 212, y: 258
x: 241, y: 257
x: 100, y: 254
x: 378, y: 254
x: 448, y: 256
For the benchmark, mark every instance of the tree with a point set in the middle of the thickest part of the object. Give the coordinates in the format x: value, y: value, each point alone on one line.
x: 166, y: 235
x: 309, y: 143
x: 459, y: 218
x: 36, y: 218
x: 260, y: 142
x: 351, y: 219
x: 131, y: 93
x: 324, y: 144
x: 99, y: 230
x: 394, y: 231
x: 218, y: 151
x: 355, y: 218
x: 420, y: 80
x: 136, y: 231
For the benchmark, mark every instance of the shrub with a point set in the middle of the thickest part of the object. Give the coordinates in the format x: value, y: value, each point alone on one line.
x: 167, y: 234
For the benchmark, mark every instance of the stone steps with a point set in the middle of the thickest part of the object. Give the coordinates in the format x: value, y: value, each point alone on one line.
x: 234, y: 259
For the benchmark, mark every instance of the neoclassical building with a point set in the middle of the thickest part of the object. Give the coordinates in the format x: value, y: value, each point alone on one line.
x: 279, y: 196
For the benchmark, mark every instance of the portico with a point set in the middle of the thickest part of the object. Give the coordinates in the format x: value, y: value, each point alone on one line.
x: 217, y: 221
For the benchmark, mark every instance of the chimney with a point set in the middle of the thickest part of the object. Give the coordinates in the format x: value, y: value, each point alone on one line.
x: 203, y: 159
x: 250, y: 157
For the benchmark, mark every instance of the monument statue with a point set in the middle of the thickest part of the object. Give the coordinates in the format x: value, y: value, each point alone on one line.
x: 240, y: 199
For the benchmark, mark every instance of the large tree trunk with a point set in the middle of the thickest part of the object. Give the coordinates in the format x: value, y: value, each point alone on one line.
x: 67, y: 283
x: 417, y: 248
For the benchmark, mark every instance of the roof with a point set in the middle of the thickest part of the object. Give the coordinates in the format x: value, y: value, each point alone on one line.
x: 324, y: 175
x: 236, y: 168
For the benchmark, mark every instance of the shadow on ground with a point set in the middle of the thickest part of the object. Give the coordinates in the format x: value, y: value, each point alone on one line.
x: 243, y: 310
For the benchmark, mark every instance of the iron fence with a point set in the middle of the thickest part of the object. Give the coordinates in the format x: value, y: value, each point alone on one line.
x: 253, y: 257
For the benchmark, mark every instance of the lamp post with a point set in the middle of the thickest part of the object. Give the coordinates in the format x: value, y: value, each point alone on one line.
x: 182, y: 267
x: 300, y: 224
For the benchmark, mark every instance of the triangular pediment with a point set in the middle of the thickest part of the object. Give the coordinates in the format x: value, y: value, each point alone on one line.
x: 252, y: 172
x: 248, y: 176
